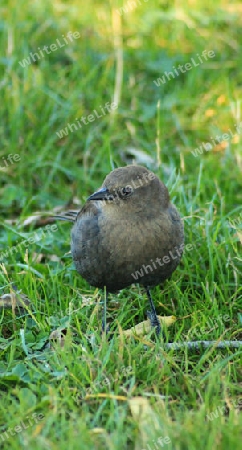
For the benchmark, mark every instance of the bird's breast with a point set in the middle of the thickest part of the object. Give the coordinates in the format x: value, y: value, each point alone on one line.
x: 118, y: 252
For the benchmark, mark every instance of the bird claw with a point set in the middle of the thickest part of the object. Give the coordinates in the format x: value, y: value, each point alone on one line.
x: 107, y: 333
x: 155, y: 323
x: 107, y: 330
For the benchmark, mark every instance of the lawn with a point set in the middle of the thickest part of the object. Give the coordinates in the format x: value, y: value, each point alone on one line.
x: 87, y: 87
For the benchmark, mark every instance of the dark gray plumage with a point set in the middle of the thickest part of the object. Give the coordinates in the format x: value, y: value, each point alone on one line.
x: 127, y: 228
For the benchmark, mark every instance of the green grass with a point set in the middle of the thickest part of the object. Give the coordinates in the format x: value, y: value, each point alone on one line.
x: 166, y: 123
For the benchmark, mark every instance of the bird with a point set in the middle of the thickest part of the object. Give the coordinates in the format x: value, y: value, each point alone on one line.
x: 127, y: 232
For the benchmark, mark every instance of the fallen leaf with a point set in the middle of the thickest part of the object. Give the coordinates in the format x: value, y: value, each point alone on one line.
x: 145, y: 327
x: 14, y: 299
x: 139, y: 156
x: 58, y: 336
x: 40, y: 257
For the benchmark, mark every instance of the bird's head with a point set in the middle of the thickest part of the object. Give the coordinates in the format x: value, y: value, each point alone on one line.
x: 134, y: 189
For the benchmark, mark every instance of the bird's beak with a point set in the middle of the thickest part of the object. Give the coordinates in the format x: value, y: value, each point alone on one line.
x: 101, y: 194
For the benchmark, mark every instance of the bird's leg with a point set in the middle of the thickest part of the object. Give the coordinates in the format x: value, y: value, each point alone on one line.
x: 104, y: 312
x: 152, y: 314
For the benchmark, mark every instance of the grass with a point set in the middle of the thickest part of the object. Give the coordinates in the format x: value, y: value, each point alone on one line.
x: 84, y: 391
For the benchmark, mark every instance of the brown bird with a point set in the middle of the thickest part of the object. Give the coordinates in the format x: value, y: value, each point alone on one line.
x: 128, y: 231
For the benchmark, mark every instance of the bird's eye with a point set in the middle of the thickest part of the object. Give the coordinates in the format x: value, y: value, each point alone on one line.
x: 126, y: 191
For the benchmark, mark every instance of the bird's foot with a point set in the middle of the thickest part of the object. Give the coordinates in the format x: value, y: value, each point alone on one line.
x: 105, y: 329
x: 155, y: 323
x: 108, y: 333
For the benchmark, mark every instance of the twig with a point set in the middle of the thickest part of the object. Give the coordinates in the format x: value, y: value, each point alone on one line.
x: 205, y: 344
